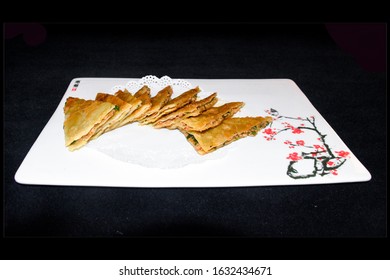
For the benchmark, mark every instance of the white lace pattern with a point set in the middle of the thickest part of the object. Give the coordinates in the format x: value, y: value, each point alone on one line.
x: 155, y: 84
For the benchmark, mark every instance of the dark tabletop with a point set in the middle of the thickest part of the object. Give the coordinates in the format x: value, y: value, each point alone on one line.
x: 349, y: 91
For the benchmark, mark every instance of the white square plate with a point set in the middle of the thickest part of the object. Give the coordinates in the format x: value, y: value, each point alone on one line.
x: 300, y: 147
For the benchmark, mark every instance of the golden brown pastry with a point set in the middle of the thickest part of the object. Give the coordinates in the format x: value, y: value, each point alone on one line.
x: 122, y: 110
x: 207, y: 128
x: 142, y: 91
x: 228, y: 131
x: 190, y: 110
x: 158, y: 101
x: 143, y: 95
x: 135, y: 103
x: 83, y: 118
x: 210, y: 118
x: 126, y: 96
x: 174, y: 104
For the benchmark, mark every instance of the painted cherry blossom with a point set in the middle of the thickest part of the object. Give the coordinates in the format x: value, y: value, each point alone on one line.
x: 342, y: 154
x: 294, y: 156
x: 319, y: 160
x: 330, y: 163
x: 300, y: 142
x: 270, y: 133
x: 297, y: 130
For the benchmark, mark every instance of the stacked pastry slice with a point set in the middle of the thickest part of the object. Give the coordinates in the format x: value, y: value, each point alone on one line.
x: 86, y: 120
x: 83, y: 118
x: 158, y: 102
x: 191, y: 110
x: 122, y: 111
x: 206, y: 126
x: 210, y: 118
x: 173, y: 105
x: 231, y: 129
x: 140, y: 101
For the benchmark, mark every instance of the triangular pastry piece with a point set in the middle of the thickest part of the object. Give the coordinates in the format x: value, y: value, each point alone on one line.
x: 143, y: 95
x: 126, y: 96
x: 158, y: 101
x: 174, y: 104
x: 122, y: 109
x: 135, y: 103
x: 210, y: 118
x: 83, y: 118
x: 228, y: 131
x: 190, y: 110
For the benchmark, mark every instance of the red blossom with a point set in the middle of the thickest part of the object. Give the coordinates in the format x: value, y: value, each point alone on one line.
x: 300, y: 142
x: 319, y: 147
x: 296, y: 130
x: 288, y: 142
x: 343, y: 154
x: 268, y: 131
x: 294, y: 156
x: 334, y: 172
x: 330, y: 163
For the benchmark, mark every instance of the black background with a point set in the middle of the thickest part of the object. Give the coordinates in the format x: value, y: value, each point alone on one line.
x: 334, y: 218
